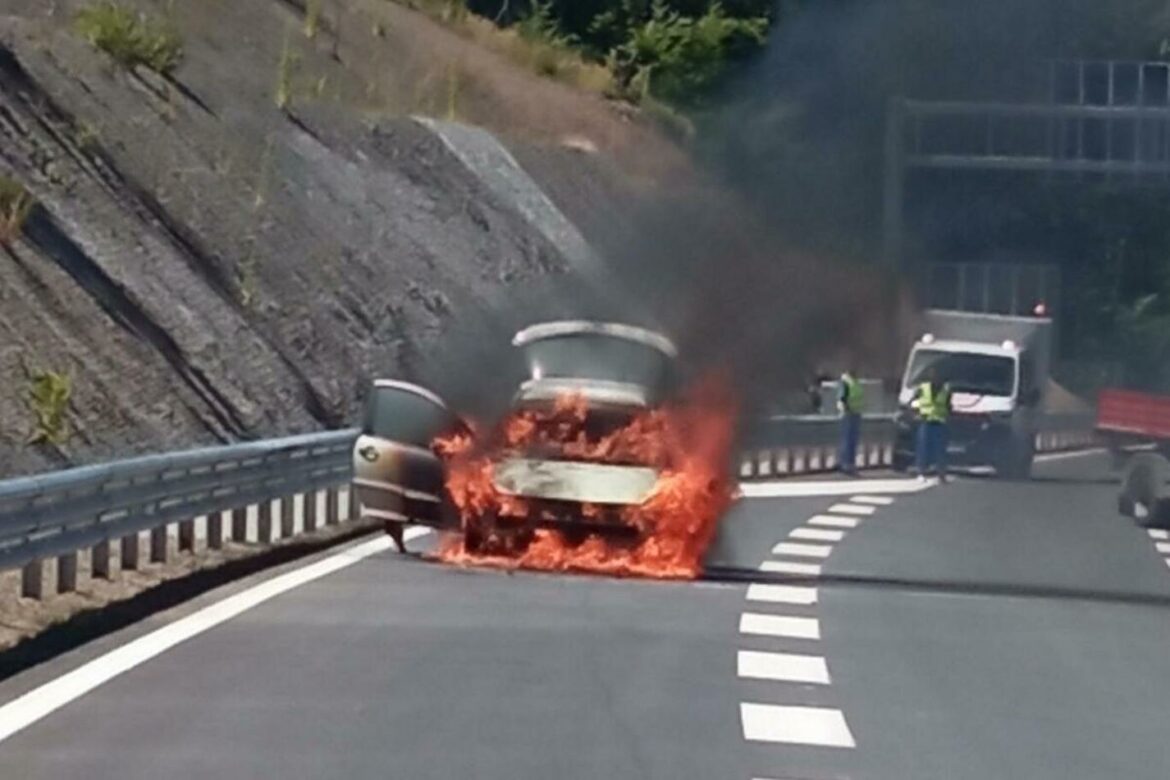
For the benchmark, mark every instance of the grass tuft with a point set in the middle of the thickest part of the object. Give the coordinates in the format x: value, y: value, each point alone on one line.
x: 49, y: 393
x: 312, y: 18
x: 131, y: 39
x: 15, y: 205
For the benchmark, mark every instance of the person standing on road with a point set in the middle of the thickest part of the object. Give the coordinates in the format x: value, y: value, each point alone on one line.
x: 850, y: 403
x: 932, y: 399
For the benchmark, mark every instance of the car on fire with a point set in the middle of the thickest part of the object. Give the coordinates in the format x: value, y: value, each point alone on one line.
x: 551, y: 463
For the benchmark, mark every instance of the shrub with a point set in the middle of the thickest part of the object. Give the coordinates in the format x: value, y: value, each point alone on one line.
x: 131, y: 39
x: 15, y: 205
x: 680, y: 57
x: 49, y: 394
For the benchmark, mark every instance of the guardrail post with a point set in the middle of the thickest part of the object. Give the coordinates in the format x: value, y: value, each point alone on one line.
x: 352, y: 510
x: 99, y: 560
x: 309, y: 510
x: 264, y: 522
x: 215, y: 531
x: 32, y: 580
x: 240, y: 524
x: 130, y: 551
x: 158, y: 544
x: 187, y: 535
x: 67, y: 572
x: 287, y: 517
x: 332, y: 506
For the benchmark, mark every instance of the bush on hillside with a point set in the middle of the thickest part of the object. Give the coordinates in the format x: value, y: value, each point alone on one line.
x: 15, y: 206
x: 131, y: 39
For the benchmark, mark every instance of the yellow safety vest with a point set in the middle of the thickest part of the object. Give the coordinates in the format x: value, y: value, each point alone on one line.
x: 854, y: 395
x: 934, y: 407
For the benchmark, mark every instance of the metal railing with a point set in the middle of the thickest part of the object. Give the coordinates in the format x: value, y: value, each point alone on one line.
x: 58, y: 514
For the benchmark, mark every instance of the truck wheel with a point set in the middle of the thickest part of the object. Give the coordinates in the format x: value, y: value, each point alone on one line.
x: 1016, y: 463
x: 1145, y: 487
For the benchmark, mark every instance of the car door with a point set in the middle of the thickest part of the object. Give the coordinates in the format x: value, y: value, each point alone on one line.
x: 397, y: 476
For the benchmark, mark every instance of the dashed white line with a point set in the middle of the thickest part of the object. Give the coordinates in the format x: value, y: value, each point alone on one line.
x: 781, y: 594
x: 1167, y: 561
x: 1163, y: 547
x: 1158, y: 533
x: 875, y: 500
x: 803, y: 550
x: 782, y: 667
x: 852, y: 509
x: 817, y: 534
x: 795, y: 725
x: 789, y: 626
x: 833, y: 521
x: 790, y: 567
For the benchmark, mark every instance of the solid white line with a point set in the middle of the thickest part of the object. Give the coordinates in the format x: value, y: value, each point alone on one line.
x: 783, y: 667
x: 779, y: 625
x: 795, y: 725
x: 787, y: 567
x: 39, y: 702
x: 1042, y: 457
x: 875, y: 500
x: 841, y: 487
x: 833, y: 521
x: 803, y: 550
x: 816, y: 534
x: 781, y: 594
x: 1163, y: 547
x: 1158, y: 533
x: 852, y: 509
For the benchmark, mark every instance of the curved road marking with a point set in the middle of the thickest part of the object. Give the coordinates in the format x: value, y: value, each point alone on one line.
x: 39, y: 702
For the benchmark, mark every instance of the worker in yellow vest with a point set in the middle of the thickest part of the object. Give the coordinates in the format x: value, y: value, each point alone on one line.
x: 932, y: 399
x: 850, y: 404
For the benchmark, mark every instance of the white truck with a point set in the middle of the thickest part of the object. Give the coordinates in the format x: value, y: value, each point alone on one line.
x: 998, y: 369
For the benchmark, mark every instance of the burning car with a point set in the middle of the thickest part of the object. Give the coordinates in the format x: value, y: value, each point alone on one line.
x: 572, y: 455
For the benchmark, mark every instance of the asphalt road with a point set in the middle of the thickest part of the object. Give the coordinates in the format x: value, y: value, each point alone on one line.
x: 972, y: 630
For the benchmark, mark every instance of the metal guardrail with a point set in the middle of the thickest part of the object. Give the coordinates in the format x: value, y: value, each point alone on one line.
x: 60, y: 513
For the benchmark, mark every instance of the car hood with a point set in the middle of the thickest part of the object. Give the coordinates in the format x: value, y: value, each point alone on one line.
x: 566, y: 480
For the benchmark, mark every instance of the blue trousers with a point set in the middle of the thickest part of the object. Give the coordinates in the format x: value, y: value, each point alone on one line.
x: 931, y: 448
x: 850, y: 434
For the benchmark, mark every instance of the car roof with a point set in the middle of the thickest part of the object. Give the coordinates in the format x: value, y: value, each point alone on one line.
x: 548, y: 330
x: 409, y: 387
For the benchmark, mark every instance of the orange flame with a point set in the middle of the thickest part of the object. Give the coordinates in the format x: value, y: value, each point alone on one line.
x: 687, y: 442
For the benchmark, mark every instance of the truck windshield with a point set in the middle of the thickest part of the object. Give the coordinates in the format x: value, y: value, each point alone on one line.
x: 966, y: 372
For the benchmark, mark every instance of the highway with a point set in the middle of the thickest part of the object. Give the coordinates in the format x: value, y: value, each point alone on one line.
x: 976, y: 629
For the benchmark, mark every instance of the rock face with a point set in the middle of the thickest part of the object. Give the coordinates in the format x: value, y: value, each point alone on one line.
x: 206, y: 267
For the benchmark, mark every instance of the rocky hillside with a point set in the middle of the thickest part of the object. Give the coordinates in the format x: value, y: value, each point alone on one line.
x: 233, y: 249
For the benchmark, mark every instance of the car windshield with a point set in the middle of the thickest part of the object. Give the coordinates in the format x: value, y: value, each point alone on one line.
x: 402, y: 415
x: 966, y: 372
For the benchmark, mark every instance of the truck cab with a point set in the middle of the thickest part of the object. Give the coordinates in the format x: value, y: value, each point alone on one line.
x: 997, y: 368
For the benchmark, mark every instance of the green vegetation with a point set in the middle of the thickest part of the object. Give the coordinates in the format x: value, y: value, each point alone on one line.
x: 49, y: 394
x: 131, y: 39
x: 285, y: 73
x: 15, y: 205
x: 312, y: 18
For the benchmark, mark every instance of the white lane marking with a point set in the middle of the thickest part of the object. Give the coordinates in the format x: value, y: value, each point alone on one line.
x: 781, y: 594
x: 875, y: 500
x: 1158, y: 533
x: 833, y: 521
x: 803, y: 550
x: 782, y: 667
x: 1167, y: 561
x: 789, y: 488
x: 39, y: 702
x: 796, y: 725
x: 816, y: 534
x: 852, y: 509
x: 1042, y: 457
x: 779, y: 625
x: 1163, y: 547
x: 787, y: 567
